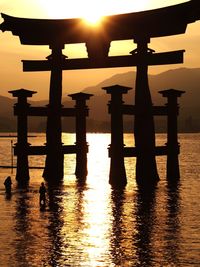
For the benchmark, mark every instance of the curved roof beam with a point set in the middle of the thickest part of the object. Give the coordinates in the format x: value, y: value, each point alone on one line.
x: 146, y: 24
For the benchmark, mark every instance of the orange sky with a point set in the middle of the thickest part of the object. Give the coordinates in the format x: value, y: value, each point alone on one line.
x: 12, y: 52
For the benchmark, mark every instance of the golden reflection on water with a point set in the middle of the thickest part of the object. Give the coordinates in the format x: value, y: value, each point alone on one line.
x: 93, y: 225
x: 98, y: 161
x: 97, y: 227
x: 94, y: 206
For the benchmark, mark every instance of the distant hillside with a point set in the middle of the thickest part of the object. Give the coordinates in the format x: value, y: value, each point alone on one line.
x: 184, y: 79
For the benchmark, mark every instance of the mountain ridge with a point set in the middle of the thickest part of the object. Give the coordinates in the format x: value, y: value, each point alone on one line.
x: 185, y: 79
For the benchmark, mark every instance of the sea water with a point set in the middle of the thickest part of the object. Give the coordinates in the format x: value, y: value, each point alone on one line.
x: 92, y: 225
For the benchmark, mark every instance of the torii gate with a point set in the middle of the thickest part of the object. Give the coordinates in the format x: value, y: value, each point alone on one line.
x: 139, y: 26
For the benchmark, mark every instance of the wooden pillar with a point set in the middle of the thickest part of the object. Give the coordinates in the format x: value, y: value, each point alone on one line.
x: 144, y: 131
x: 117, y: 176
x: 173, y: 148
x: 81, y: 111
x: 22, y: 146
x: 53, y: 171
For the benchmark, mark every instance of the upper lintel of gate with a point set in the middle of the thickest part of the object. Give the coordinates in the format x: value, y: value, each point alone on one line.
x: 165, y: 21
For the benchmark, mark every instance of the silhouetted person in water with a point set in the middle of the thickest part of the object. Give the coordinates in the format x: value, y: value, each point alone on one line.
x: 8, y: 183
x: 42, y: 192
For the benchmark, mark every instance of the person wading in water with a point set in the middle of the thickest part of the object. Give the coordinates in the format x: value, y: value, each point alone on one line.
x: 7, y: 184
x: 42, y: 192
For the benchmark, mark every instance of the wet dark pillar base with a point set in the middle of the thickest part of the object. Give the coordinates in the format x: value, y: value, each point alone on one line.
x: 54, y: 168
x: 81, y: 170
x: 21, y: 148
x: 117, y: 176
x: 173, y: 171
x: 144, y: 131
x: 173, y: 148
x: 81, y: 112
x: 22, y: 172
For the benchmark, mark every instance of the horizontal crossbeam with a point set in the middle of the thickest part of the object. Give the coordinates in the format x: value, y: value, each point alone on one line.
x: 44, y: 111
x: 42, y: 150
x: 131, y: 110
x: 172, y: 57
x: 132, y: 151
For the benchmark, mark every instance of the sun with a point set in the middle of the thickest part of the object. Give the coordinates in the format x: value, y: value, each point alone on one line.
x: 92, y: 11
x: 93, y: 20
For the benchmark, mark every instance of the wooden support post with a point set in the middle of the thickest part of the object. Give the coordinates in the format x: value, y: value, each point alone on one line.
x: 146, y: 169
x: 22, y: 146
x: 53, y: 171
x: 173, y: 148
x: 117, y: 177
x: 81, y: 112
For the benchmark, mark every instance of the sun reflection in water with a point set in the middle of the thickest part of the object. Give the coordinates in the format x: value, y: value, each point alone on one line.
x: 95, y: 233
x: 96, y: 208
x: 98, y: 161
x: 92, y: 225
x: 91, y: 202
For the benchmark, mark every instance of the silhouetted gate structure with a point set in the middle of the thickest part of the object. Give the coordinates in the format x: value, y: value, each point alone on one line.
x: 141, y: 27
x: 23, y: 149
x: 117, y: 149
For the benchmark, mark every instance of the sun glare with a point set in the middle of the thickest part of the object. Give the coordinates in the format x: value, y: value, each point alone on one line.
x: 91, y: 11
x: 93, y: 19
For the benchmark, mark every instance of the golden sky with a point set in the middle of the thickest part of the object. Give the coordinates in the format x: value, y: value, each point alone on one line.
x: 12, y: 52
